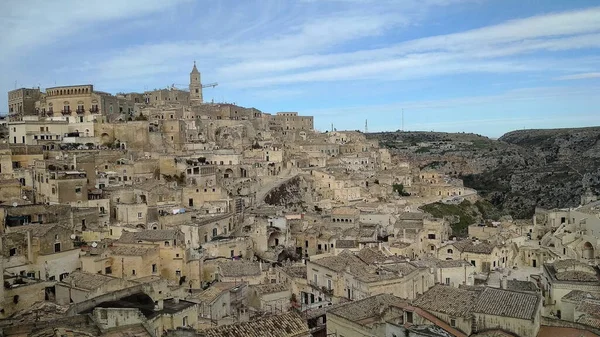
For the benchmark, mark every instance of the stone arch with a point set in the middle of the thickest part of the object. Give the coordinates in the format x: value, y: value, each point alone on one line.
x: 587, y: 251
x: 105, y: 138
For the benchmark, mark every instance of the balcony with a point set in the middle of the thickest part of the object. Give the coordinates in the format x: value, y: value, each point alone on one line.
x: 66, y: 112
x: 80, y: 111
x: 95, y: 110
x: 49, y: 112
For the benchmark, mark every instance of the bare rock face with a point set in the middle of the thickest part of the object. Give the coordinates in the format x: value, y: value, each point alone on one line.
x: 520, y: 171
x: 295, y: 193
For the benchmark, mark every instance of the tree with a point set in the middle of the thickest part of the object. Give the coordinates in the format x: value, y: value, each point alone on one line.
x: 399, y: 188
x: 141, y: 117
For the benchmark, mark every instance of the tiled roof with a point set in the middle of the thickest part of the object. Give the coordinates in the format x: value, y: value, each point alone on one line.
x: 149, y: 235
x: 589, y: 320
x: 208, y: 295
x: 562, y: 265
x: 36, y: 230
x: 286, y: 325
x: 461, y: 302
x: 411, y: 216
x: 371, y: 255
x: 500, y: 302
x: 368, y: 307
x: 404, y: 268
x: 521, y: 285
x: 239, y: 268
x: 470, y: 246
x: 340, y: 262
x: 589, y: 307
x: 448, y: 300
x: 131, y: 251
x: 86, y: 281
x: 269, y: 288
x: 345, y: 211
x: 298, y: 271
x: 576, y: 275
x: 343, y: 244
x: 579, y: 295
x: 433, y: 262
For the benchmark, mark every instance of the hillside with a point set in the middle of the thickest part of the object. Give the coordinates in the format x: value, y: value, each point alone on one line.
x: 520, y: 171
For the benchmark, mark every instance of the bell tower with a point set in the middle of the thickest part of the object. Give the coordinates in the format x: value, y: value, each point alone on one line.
x: 195, y: 86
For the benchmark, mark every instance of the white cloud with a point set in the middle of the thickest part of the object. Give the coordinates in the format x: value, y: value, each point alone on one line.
x: 29, y: 24
x: 579, y: 76
x: 307, y: 51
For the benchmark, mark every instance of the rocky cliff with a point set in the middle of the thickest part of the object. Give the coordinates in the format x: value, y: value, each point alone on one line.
x: 520, y: 171
x: 295, y: 194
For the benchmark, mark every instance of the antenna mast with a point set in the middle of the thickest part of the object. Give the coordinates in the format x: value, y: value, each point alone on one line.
x: 366, y: 127
x: 402, y: 119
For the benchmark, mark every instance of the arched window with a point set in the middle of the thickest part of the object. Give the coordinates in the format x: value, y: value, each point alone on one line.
x: 214, y: 232
x: 450, y: 251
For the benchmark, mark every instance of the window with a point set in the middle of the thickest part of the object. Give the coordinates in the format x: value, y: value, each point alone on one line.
x: 133, y: 272
x: 316, y: 279
x: 450, y: 251
x: 409, y: 317
x: 329, y: 284
x: 214, y: 232
x: 452, y: 322
x: 431, y: 236
x: 78, y: 190
x: 13, y: 252
x: 57, y: 247
x: 473, y: 263
x: 108, y: 270
x: 154, y: 268
x: 184, y: 321
x: 191, y: 202
x: 178, y: 273
x: 139, y: 215
x: 232, y: 253
x: 447, y: 281
x: 167, y: 243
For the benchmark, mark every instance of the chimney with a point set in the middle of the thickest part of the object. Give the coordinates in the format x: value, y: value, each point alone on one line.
x: 176, y: 300
x: 504, y: 282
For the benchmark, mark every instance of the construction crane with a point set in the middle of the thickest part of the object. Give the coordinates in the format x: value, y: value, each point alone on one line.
x: 209, y: 85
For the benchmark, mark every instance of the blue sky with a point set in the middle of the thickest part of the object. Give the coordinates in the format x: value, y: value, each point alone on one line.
x: 453, y: 65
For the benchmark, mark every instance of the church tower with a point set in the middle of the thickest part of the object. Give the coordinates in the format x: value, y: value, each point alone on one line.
x: 195, y: 86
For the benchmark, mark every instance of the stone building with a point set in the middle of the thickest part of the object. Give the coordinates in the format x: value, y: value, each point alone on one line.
x: 43, y: 251
x: 560, y: 279
x: 475, y: 309
x: 80, y: 286
x: 385, y: 315
x: 21, y: 102
x: 484, y: 256
x: 285, y: 325
x: 272, y: 298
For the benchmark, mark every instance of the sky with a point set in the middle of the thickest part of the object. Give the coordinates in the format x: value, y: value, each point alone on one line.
x: 482, y: 66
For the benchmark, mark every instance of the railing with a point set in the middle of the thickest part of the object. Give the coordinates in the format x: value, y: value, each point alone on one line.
x: 80, y: 111
x: 50, y: 112
x: 66, y: 112
x: 94, y: 110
